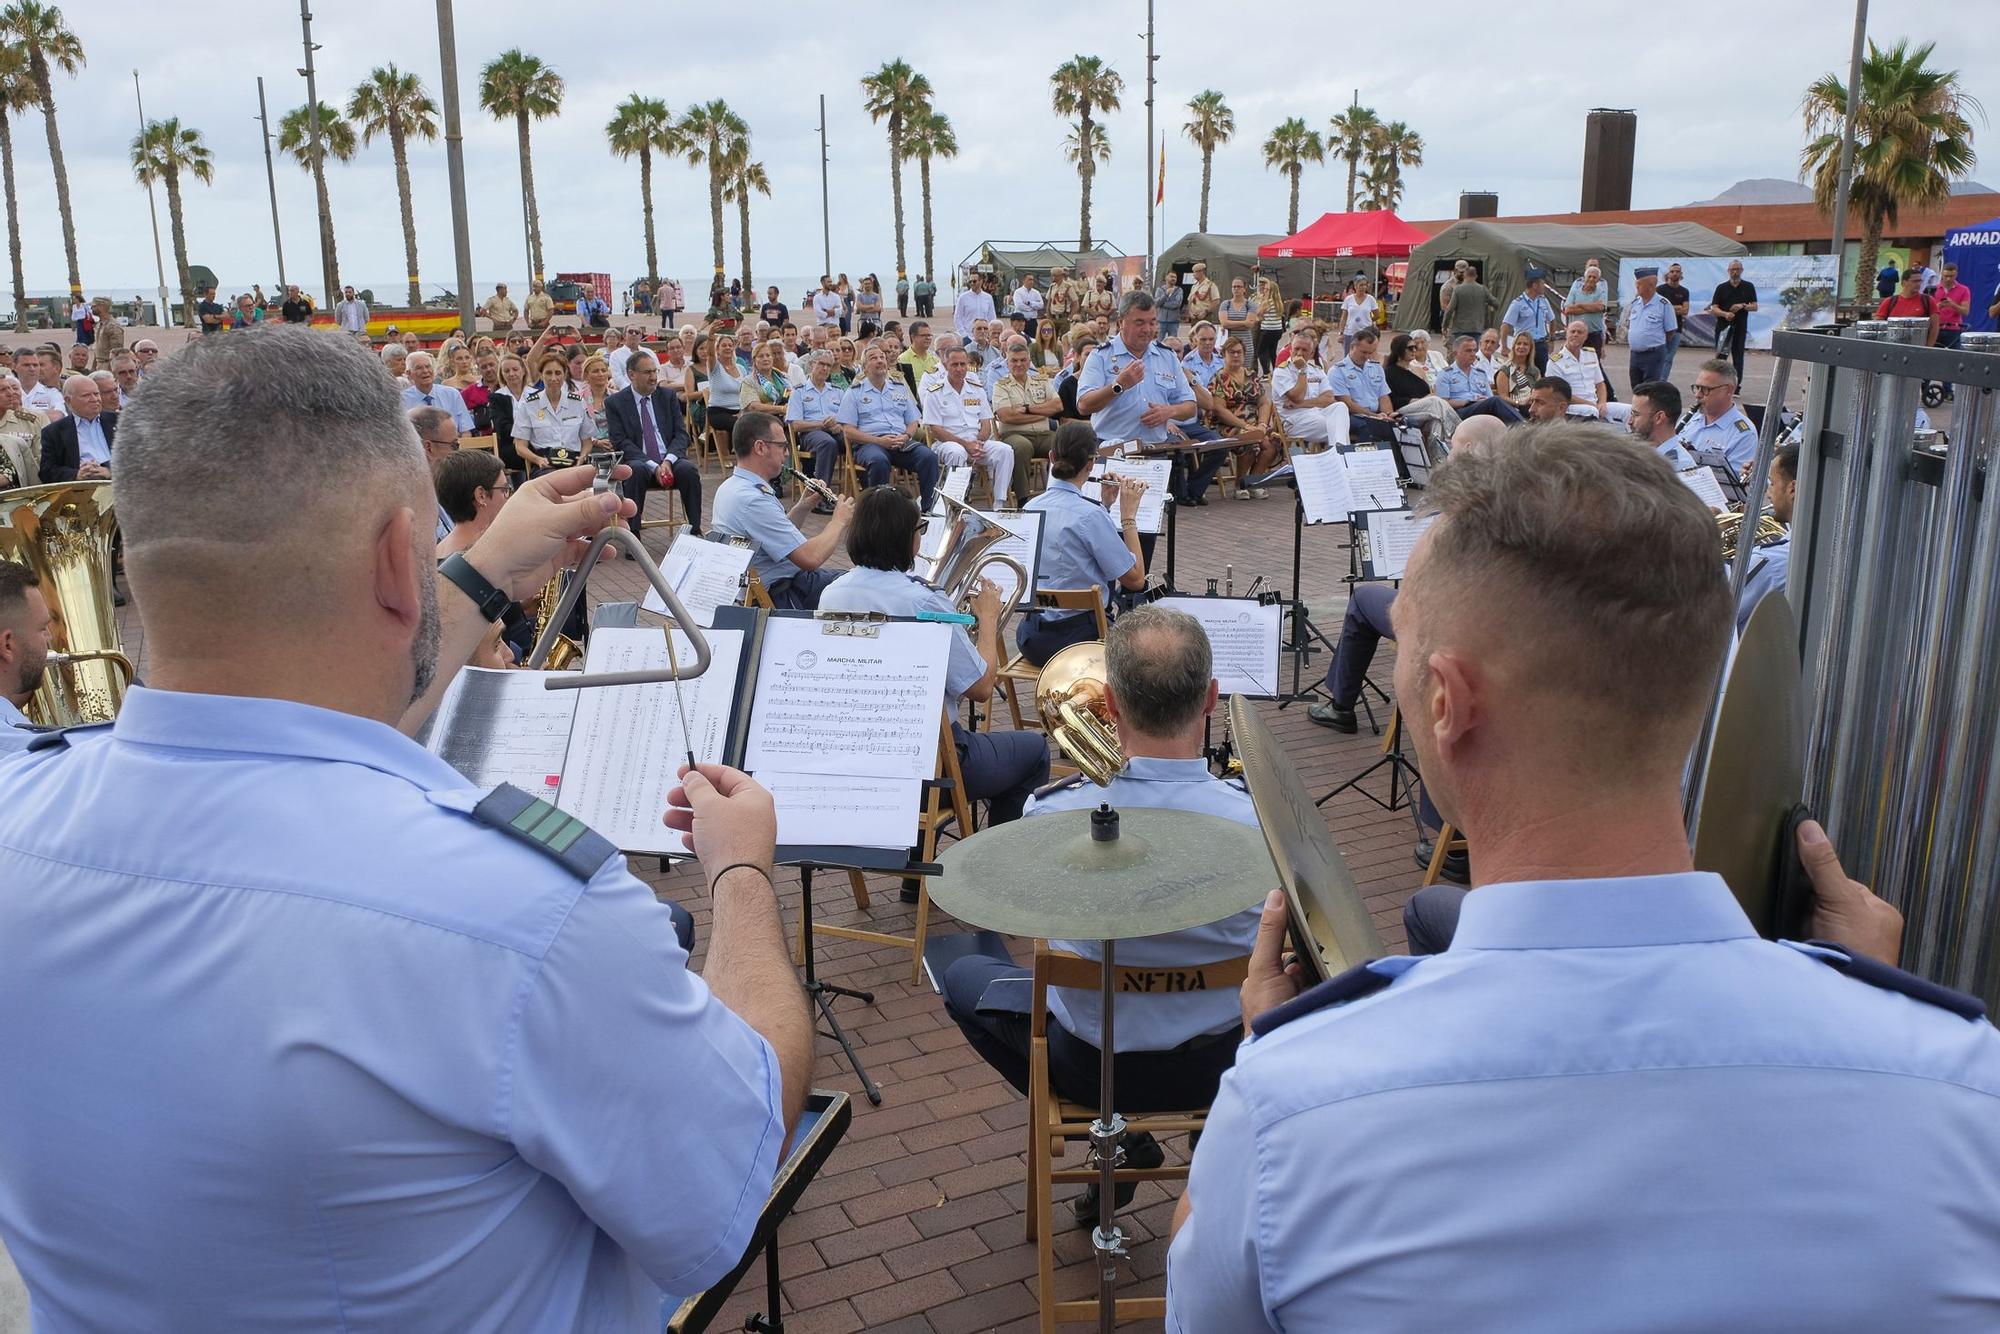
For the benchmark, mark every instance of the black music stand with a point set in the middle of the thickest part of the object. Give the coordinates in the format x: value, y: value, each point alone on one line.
x: 1304, y: 633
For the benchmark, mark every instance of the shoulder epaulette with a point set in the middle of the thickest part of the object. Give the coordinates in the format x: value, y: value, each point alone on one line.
x: 1061, y: 785
x: 50, y: 738
x: 1351, y: 985
x: 553, y: 833
x: 1742, y: 423
x: 1890, y: 978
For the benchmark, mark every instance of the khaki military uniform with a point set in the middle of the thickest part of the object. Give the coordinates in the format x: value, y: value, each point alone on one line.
x: 501, y: 310
x: 1203, y: 300
x: 21, y: 448
x: 541, y: 309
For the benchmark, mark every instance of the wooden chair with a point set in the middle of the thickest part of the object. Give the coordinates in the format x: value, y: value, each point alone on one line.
x: 1054, y: 1120
x: 1019, y: 672
x: 944, y: 799
x: 1446, y: 843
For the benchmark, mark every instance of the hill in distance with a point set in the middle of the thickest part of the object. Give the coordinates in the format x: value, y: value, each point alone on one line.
x: 1774, y: 190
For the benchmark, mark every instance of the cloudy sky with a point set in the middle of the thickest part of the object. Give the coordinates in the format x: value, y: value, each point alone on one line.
x: 1500, y: 104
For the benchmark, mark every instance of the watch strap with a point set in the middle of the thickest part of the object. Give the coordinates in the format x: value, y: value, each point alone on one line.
x: 492, y: 602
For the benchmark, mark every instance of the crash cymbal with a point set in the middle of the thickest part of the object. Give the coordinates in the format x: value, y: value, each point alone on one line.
x: 1049, y: 878
x: 1326, y: 908
x: 1756, y: 767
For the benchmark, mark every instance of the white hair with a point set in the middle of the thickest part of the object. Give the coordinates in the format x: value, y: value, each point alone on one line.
x: 392, y: 352
x: 412, y: 358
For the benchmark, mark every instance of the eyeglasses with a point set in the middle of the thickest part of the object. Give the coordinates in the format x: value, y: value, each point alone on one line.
x: 1701, y: 389
x: 501, y: 489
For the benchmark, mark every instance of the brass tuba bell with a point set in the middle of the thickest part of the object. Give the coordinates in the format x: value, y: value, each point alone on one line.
x: 63, y: 533
x: 1729, y: 527
x: 966, y: 551
x: 1070, y: 697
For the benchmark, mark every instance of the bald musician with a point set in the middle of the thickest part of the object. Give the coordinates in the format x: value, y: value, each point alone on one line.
x: 302, y: 1032
x: 1610, y: 1104
x: 1171, y: 1049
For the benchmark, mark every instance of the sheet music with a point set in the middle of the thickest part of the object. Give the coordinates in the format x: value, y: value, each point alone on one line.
x: 862, y: 706
x: 1023, y: 543
x: 1371, y: 476
x: 1243, y: 639
x: 1392, y: 535
x: 930, y: 542
x: 704, y: 575
x: 1323, y: 486
x: 955, y: 483
x: 845, y: 811
x: 626, y: 746
x: 1157, y: 474
x: 503, y: 727
x: 1702, y: 482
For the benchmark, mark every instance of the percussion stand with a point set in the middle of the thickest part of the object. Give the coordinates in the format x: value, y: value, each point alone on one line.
x: 1107, y: 1132
x: 822, y: 993
x: 1304, y: 633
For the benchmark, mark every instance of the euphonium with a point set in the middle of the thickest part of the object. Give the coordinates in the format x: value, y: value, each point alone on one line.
x: 965, y: 554
x: 63, y: 533
x: 1729, y: 526
x: 1070, y: 697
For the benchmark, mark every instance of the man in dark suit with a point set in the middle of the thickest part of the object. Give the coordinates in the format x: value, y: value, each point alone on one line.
x: 647, y: 429
x: 77, y: 446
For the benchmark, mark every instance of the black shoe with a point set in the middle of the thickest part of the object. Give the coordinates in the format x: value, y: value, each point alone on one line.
x: 1457, y: 866
x: 1141, y: 1150
x: 1328, y: 714
x: 824, y: 507
x: 911, y: 887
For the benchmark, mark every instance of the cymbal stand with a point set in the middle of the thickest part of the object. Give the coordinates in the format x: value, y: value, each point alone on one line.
x: 822, y: 993
x: 1304, y: 634
x: 1107, y: 1132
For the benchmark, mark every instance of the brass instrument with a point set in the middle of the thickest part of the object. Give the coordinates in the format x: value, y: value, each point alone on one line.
x: 1729, y: 526
x: 965, y: 554
x: 787, y: 473
x: 63, y: 533
x: 565, y: 652
x: 1070, y: 697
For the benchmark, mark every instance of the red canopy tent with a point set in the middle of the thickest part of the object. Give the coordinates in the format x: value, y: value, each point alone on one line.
x: 1376, y: 234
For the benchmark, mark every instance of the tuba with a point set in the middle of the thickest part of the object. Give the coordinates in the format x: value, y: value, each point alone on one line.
x: 967, y: 551
x: 63, y: 533
x: 1069, y: 696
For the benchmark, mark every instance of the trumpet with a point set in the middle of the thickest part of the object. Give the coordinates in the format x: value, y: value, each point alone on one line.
x: 787, y: 473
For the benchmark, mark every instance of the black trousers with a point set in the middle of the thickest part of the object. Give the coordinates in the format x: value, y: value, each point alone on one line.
x: 1040, y: 639
x: 687, y: 481
x: 1735, y: 338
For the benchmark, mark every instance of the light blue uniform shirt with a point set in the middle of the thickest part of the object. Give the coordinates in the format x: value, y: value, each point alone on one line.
x: 1770, y: 568
x: 900, y: 593
x: 1455, y: 385
x: 91, y: 446
x: 1365, y: 384
x: 443, y: 396
x: 1679, y: 458
x: 1608, y: 1106
x: 1532, y: 314
x: 1081, y: 545
x: 808, y: 404
x: 990, y: 373
x: 1204, y: 371
x: 1730, y: 435
x: 1649, y: 323
x: 1119, y: 419
x: 1162, y: 1022
x: 884, y: 410
x: 15, y: 729
x: 745, y: 506
x: 295, y: 1043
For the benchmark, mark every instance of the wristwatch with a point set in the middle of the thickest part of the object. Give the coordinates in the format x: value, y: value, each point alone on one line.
x: 492, y: 602
x: 1116, y: 389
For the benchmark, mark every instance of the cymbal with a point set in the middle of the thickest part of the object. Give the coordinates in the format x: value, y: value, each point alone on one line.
x: 1046, y: 877
x: 1756, y: 765
x: 1327, y: 912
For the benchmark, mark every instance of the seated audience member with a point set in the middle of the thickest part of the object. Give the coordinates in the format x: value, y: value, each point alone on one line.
x: 1656, y: 406
x: 1401, y: 1146
x: 1468, y: 387
x: 1172, y: 1050
x: 471, y: 487
x: 1305, y: 402
x: 76, y: 447
x: 20, y: 437
x: 644, y: 424
x: 24, y: 651
x: 1515, y: 379
x: 790, y: 565
x: 1000, y: 768
x: 1548, y: 401
x: 813, y: 411
x: 1577, y: 363
x: 1489, y: 352
x: 959, y: 417
x: 1241, y: 409
x: 1428, y: 360
x: 1082, y: 547
x: 439, y: 437
x: 1026, y: 405
x: 1081, y: 344
x: 1359, y: 386
x: 876, y: 417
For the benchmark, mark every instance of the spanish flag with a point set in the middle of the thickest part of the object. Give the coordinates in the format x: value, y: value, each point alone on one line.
x: 1160, y: 195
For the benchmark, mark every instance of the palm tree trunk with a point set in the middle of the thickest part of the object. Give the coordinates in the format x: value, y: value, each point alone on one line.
x: 1293, y: 225
x: 329, y: 259
x: 528, y: 193
x: 1353, y: 163
x: 1084, y: 165
x: 398, y: 148
x: 1864, y: 260
x: 715, y: 201
x: 924, y: 176
x: 896, y: 184
x: 175, y: 224
x: 14, y: 221
x: 743, y: 230
x: 646, y: 199
x: 39, y: 67
x: 1207, y: 162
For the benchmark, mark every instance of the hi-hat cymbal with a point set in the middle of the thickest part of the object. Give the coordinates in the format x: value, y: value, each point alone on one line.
x: 1048, y: 878
x: 1756, y: 768
x: 1328, y: 917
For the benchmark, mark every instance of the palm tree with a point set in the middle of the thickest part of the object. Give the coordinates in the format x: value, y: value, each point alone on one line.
x: 48, y: 42
x: 336, y: 140
x: 17, y: 93
x: 898, y: 94
x: 708, y: 133
x: 1354, y: 133
x: 1400, y: 147
x: 1100, y: 150
x: 394, y: 103
x: 1378, y: 188
x: 1912, y: 139
x: 1210, y: 124
x: 1081, y: 86
x: 641, y: 127
x: 518, y: 85
x: 1288, y: 149
x: 165, y: 151
x: 742, y: 178
x: 929, y: 135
